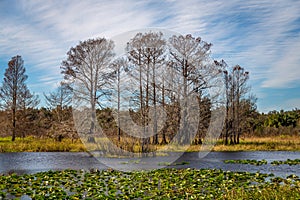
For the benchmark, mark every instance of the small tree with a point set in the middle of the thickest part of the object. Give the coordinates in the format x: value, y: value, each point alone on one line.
x: 14, y: 92
x: 59, y: 99
x: 27, y: 103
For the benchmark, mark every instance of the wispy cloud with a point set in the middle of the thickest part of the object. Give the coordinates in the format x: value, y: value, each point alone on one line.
x: 261, y: 35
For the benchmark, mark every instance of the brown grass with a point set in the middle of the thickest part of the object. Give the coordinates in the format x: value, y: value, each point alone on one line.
x: 276, y: 143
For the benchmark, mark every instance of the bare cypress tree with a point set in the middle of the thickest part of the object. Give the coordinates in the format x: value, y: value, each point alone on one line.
x: 189, y: 58
x: 236, y: 87
x: 239, y: 89
x: 87, y: 65
x: 146, y: 52
x: 14, y: 92
x: 119, y: 66
x: 223, y: 69
x: 135, y: 50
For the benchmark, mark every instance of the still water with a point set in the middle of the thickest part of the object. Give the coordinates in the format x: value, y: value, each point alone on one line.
x: 31, y: 162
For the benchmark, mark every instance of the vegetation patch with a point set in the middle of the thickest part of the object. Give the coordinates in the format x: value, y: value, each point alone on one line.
x: 264, y: 162
x: 155, y: 184
x: 250, y: 162
x: 286, y: 162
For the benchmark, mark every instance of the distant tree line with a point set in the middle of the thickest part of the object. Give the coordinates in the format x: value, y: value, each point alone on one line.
x: 275, y: 123
x: 158, y: 73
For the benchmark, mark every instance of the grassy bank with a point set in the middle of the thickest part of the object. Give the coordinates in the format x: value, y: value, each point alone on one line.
x: 30, y: 144
x: 275, y: 143
x: 156, y: 184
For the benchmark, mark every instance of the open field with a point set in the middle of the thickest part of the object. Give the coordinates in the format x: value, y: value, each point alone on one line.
x: 30, y: 144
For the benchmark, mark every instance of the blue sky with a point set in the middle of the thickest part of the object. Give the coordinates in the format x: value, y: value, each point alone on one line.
x: 263, y: 36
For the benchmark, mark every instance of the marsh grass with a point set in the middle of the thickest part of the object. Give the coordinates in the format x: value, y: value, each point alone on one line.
x: 31, y: 144
x: 276, y: 143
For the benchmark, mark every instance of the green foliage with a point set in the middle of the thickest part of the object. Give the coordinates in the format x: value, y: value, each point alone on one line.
x: 282, y: 118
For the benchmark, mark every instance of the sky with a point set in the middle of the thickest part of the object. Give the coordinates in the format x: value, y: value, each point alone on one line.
x: 263, y: 36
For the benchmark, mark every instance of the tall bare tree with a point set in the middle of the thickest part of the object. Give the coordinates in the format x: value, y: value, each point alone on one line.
x: 14, y: 93
x: 119, y: 65
x: 189, y: 56
x: 135, y: 50
x: 239, y: 88
x: 223, y: 69
x: 147, y: 52
x: 86, y: 65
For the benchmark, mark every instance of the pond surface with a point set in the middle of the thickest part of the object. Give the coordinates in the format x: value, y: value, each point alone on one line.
x: 32, y: 162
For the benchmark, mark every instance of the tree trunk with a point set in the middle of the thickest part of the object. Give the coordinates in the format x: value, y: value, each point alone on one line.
x: 91, y: 138
x: 154, y: 106
x: 14, y: 109
x: 164, y: 140
x: 119, y: 123
x: 14, y: 124
x: 184, y: 115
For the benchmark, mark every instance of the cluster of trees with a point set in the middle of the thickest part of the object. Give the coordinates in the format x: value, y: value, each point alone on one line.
x: 167, y: 82
x: 238, y: 106
x: 19, y: 114
x: 174, y: 74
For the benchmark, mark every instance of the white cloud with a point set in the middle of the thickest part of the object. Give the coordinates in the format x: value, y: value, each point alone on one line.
x: 46, y: 31
x: 254, y: 34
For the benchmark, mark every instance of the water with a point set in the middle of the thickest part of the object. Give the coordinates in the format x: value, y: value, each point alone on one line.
x: 32, y: 162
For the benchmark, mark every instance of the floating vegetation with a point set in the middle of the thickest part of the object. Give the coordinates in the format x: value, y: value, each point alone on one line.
x: 250, y: 162
x: 155, y: 184
x: 286, y: 162
x: 173, y: 164
x: 264, y: 162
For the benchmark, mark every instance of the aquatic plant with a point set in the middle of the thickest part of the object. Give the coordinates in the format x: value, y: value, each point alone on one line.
x: 264, y: 162
x: 250, y: 162
x: 156, y: 184
x: 286, y: 162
